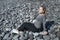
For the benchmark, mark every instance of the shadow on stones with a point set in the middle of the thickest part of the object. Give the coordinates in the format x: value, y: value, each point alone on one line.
x: 49, y: 24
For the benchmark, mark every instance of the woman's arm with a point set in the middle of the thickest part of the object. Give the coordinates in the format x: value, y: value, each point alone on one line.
x: 44, y: 22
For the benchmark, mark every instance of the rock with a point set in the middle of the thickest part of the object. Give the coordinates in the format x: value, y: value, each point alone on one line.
x: 6, y: 37
x: 46, y: 37
x: 1, y: 37
x: 15, y: 37
x: 56, y: 38
x: 30, y: 35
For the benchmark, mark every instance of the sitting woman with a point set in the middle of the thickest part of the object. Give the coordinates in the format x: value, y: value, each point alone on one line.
x: 38, y: 24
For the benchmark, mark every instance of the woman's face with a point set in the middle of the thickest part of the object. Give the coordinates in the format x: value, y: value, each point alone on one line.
x: 41, y: 10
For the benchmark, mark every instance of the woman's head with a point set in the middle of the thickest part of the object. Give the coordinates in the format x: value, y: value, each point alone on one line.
x: 42, y: 10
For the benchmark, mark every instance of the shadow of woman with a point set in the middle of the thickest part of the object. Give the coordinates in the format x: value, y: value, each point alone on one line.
x: 49, y: 24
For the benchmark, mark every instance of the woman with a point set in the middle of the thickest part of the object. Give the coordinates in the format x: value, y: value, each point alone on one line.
x: 38, y: 24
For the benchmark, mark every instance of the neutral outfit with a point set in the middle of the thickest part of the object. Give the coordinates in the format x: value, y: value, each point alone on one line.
x: 37, y: 26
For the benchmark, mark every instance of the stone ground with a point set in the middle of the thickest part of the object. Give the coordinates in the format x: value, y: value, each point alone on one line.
x: 14, y: 12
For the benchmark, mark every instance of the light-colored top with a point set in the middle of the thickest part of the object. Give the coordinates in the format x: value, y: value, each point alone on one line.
x: 41, y: 18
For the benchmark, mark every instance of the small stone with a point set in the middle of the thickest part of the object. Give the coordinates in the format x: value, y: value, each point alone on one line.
x: 15, y: 37
x: 6, y: 36
x: 46, y: 37
x: 56, y: 38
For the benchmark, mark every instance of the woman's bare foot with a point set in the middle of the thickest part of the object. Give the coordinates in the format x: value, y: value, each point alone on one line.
x: 15, y: 31
x: 44, y: 33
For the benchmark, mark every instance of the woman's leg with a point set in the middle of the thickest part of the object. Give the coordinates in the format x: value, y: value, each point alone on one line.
x: 31, y: 27
x: 22, y: 27
x: 28, y: 26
